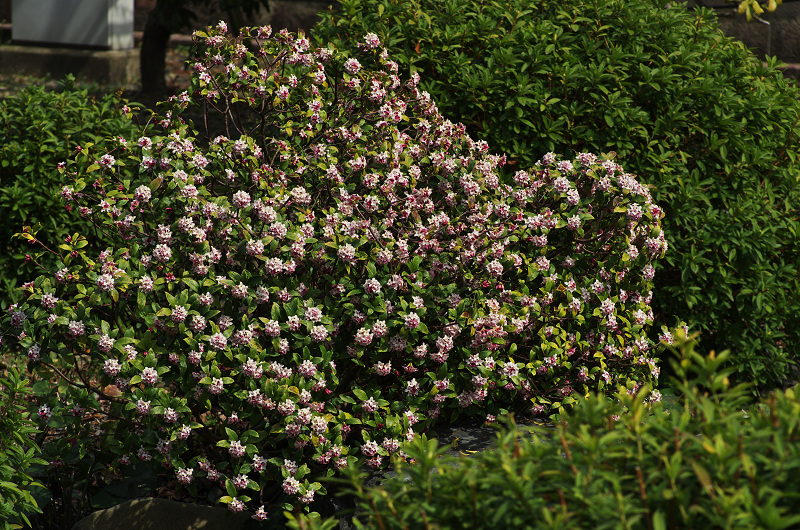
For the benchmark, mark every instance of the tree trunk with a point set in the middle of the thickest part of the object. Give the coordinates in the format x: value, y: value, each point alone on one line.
x: 153, y: 54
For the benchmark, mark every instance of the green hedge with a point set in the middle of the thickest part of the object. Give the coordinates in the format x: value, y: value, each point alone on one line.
x: 18, y: 452
x: 699, y: 462
x: 691, y: 111
x: 39, y: 129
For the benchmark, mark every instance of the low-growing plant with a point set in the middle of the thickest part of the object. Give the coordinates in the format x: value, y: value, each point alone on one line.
x: 336, y: 279
x: 40, y: 129
x: 707, y: 460
x: 692, y: 112
x: 18, y: 452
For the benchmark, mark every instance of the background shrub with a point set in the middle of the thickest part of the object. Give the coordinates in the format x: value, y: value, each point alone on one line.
x: 700, y: 462
x: 18, y: 452
x: 691, y: 111
x: 38, y: 130
x: 334, y: 280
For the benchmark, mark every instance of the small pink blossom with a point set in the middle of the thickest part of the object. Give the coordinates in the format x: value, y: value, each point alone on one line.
x: 261, y: 514
x: 179, y: 314
x: 162, y: 253
x: 241, y: 481
x: 286, y: 408
x: 75, y: 328
x: 142, y: 194
x: 307, y: 497
x: 241, y: 199
x: 510, y: 369
x: 369, y: 406
x: 217, y: 386
x: 170, y: 416
x: 105, y: 343
x: 236, y: 449
x: 218, y: 341
x: 146, y: 284
x: 363, y: 337
x: 352, y: 66
x: 371, y: 41
x: 149, y: 376
x: 319, y: 333
x: 307, y: 368
x: 313, y: 314
x: 198, y: 323
x: 49, y: 301
x: 347, y: 253
x: 412, y: 321
x: 383, y: 369
x: 34, y: 353
x: 184, y: 432
x: 45, y: 413
x: 380, y: 329
x: 495, y: 268
x: 143, y: 407
x: 290, y: 485
x: 105, y: 282
x: 372, y: 286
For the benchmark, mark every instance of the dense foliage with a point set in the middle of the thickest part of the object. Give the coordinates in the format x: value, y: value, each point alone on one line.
x: 345, y: 272
x: 701, y: 462
x: 38, y: 130
x: 18, y: 452
x: 690, y: 111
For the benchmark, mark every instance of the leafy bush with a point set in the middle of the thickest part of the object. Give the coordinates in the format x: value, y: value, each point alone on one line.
x: 38, y: 130
x: 691, y: 111
x: 334, y: 280
x: 17, y: 452
x: 701, y: 463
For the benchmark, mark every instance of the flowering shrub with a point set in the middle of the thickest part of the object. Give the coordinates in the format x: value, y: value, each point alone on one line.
x: 345, y: 272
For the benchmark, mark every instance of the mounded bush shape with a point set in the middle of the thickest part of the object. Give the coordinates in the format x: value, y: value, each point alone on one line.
x: 343, y: 274
x: 702, y: 462
x: 691, y: 111
x: 38, y: 130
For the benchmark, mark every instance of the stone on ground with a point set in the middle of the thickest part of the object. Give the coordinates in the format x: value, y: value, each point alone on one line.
x: 162, y: 514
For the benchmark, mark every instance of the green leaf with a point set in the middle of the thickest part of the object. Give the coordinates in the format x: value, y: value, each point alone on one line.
x: 230, y: 488
x: 659, y: 520
x: 702, y: 475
